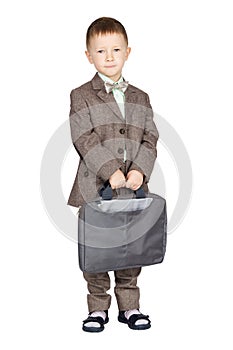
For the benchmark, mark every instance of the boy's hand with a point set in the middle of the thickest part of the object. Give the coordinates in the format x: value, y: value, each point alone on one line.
x: 117, y: 179
x: 134, y: 180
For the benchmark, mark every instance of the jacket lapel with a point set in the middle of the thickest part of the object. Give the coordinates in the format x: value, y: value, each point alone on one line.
x: 130, y: 102
x: 108, y: 99
x: 110, y: 102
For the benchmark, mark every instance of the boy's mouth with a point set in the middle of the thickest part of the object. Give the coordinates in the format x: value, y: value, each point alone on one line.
x: 113, y: 66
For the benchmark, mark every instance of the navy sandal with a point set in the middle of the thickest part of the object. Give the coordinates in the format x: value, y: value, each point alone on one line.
x: 99, y: 320
x: 133, y: 319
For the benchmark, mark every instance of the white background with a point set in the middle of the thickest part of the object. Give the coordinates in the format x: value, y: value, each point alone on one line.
x: 182, y: 56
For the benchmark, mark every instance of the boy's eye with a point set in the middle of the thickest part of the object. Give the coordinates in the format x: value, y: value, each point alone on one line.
x: 100, y: 51
x: 116, y: 50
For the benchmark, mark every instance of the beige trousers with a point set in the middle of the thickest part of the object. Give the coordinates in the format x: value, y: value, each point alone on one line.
x: 126, y: 290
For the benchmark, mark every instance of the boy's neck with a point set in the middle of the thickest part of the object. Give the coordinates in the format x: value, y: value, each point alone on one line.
x: 105, y: 78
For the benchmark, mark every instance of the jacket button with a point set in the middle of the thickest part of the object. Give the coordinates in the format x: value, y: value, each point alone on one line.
x: 122, y: 131
x: 120, y: 151
x: 86, y: 173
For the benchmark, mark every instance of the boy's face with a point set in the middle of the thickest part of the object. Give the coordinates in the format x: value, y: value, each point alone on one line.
x: 108, y: 53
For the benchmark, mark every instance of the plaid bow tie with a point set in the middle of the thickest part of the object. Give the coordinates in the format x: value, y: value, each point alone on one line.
x: 120, y: 86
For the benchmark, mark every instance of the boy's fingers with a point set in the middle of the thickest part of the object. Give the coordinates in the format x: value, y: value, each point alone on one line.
x: 117, y: 184
x: 133, y: 187
x: 121, y: 184
x: 128, y: 184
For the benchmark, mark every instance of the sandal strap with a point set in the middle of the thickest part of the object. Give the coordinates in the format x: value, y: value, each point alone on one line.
x: 98, y: 319
x: 135, y: 317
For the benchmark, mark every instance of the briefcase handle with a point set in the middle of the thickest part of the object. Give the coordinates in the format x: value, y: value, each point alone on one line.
x: 106, y: 192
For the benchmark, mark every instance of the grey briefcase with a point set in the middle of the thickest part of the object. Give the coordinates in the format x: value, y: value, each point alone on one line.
x: 122, y: 233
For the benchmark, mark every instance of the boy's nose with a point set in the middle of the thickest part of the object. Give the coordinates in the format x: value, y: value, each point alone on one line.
x: 109, y: 56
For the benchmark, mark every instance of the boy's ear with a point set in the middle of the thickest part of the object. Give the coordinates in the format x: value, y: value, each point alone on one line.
x: 128, y: 50
x: 89, y: 56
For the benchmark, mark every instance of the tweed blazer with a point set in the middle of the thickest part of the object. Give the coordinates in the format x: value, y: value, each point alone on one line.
x: 100, y: 134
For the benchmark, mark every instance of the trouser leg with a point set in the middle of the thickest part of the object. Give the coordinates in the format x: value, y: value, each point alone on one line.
x: 98, y: 284
x: 126, y: 290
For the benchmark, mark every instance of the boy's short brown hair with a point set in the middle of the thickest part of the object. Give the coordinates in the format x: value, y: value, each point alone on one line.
x: 105, y: 25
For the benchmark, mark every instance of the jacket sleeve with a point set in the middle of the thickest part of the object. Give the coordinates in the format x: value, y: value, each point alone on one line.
x: 86, y: 141
x: 147, y: 153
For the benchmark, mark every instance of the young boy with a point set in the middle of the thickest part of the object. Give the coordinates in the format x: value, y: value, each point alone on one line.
x: 114, y: 134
